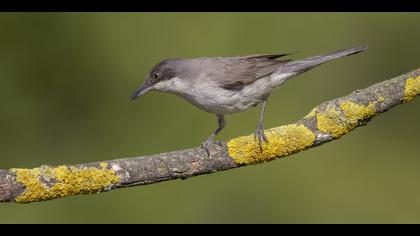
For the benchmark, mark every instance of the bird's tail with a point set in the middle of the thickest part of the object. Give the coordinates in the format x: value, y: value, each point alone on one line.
x: 306, y: 64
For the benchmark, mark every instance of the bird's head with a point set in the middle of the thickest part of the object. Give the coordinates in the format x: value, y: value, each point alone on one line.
x: 160, y: 77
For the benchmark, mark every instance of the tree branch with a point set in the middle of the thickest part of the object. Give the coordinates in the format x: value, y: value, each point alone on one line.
x: 328, y: 121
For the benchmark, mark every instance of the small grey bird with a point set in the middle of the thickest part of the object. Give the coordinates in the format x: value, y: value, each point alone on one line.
x: 225, y: 85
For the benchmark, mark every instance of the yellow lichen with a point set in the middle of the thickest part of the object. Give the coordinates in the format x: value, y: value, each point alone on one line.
x: 412, y: 88
x: 311, y: 113
x: 282, y: 141
x: 63, y: 181
x: 337, y: 123
x: 330, y: 122
x: 356, y: 112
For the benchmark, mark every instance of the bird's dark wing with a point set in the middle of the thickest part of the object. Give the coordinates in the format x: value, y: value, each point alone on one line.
x: 266, y: 56
x: 243, y: 70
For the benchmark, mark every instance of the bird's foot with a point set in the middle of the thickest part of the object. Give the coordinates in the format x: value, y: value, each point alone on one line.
x: 211, y: 146
x: 259, y: 134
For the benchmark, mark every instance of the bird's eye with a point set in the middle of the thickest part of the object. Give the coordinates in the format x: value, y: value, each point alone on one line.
x: 156, y: 75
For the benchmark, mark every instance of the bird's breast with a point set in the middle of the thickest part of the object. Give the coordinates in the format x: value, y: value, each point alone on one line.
x: 220, y: 101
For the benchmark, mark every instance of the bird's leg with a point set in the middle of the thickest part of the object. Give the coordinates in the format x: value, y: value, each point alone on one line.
x: 209, y: 143
x: 259, y: 132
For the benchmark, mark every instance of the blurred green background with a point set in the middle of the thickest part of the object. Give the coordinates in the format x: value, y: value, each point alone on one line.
x: 65, y: 79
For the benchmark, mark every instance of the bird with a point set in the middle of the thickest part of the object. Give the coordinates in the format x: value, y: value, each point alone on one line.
x: 227, y: 85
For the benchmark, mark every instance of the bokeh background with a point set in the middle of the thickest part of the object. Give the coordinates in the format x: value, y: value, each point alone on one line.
x: 65, y: 79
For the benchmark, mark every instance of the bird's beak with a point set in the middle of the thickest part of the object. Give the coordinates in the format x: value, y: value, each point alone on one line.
x: 141, y: 91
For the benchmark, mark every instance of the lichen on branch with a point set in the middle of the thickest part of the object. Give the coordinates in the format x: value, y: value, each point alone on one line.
x: 412, y: 88
x: 47, y: 182
x: 282, y: 141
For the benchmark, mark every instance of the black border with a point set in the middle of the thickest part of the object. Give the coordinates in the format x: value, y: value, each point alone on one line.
x: 208, y: 6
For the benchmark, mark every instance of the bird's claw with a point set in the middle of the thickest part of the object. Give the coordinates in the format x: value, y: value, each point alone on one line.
x: 259, y: 134
x: 211, y: 146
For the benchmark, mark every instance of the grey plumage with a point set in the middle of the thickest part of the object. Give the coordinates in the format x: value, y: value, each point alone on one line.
x: 225, y: 85
x: 246, y: 69
x: 311, y: 62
